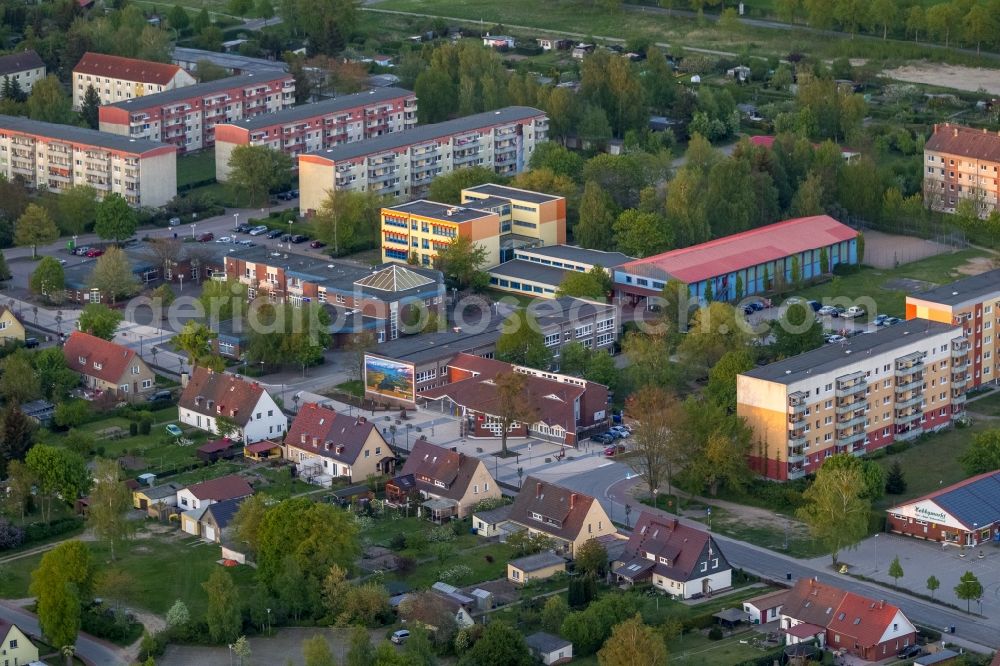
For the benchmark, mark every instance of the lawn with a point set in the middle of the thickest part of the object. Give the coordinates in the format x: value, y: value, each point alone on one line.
x: 931, y: 462
x: 696, y: 648
x: 871, y: 282
x: 988, y: 405
x: 195, y: 167
x: 163, y: 569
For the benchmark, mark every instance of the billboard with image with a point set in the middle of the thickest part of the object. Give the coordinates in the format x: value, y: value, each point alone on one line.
x: 389, y: 379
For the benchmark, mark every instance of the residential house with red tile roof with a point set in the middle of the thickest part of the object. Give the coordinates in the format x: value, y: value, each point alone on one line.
x: 567, y: 407
x: 742, y: 264
x: 250, y: 410
x: 199, y: 495
x: 116, y: 78
x: 325, y: 445
x: 451, y: 483
x: 567, y: 517
x: 962, y: 163
x: 681, y: 560
x: 107, y: 367
x: 867, y: 628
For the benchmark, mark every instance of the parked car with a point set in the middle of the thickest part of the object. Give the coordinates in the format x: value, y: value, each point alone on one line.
x: 399, y: 636
x: 31, y: 343
x: 247, y: 243
x: 258, y: 230
x: 81, y: 251
x: 94, y: 252
x: 827, y: 310
x: 174, y: 430
x: 892, y: 321
x: 614, y: 450
x: 174, y: 221
x: 287, y: 196
x: 316, y: 244
x: 622, y: 431
x: 299, y: 238
x: 286, y: 238
x: 602, y: 438
x: 880, y: 320
x: 854, y: 311
x: 243, y: 228
x: 205, y: 237
x: 225, y: 239
x: 838, y: 312
x: 832, y: 339
x: 274, y: 233
x: 815, y: 305
x: 910, y: 652
x: 161, y: 396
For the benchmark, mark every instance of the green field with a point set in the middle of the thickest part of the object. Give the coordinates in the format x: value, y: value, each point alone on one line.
x: 195, y: 167
x: 988, y: 405
x: 872, y: 282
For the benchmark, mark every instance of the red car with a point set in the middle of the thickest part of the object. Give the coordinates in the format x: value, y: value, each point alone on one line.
x: 317, y: 244
x: 95, y: 252
x: 614, y: 450
x: 204, y: 238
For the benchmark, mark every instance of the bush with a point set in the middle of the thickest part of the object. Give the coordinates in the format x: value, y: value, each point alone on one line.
x: 715, y: 633
x: 11, y: 536
x: 397, y: 542
x: 897, y: 447
x: 38, y: 531
x: 699, y: 622
x: 145, y: 423
x: 133, y: 428
x: 104, y: 624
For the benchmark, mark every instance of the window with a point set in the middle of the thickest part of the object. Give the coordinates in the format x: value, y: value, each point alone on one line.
x: 135, y: 369
x: 147, y: 383
x: 124, y: 388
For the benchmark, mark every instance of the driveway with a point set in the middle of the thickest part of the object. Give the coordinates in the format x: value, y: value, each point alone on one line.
x: 92, y: 650
x: 285, y: 647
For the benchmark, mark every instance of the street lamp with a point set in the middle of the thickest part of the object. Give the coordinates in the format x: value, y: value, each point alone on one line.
x: 656, y: 492
x: 140, y: 346
x: 408, y: 426
x: 520, y: 473
x: 876, y: 552
x: 236, y: 219
x: 261, y: 369
x: 290, y: 233
x: 628, y: 512
x: 193, y: 225
x: 230, y: 650
x: 268, y: 621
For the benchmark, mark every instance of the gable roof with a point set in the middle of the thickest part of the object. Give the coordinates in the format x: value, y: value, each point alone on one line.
x: 544, y: 642
x: 325, y: 432
x: 683, y: 546
x: 216, y: 445
x: 129, y: 69
x: 813, y: 602
x: 846, y: 613
x: 749, y: 248
x: 213, y: 393
x: 429, y: 463
x: 974, y: 501
x: 553, y: 399
x: 19, y: 62
x: 562, y: 510
x: 96, y: 357
x: 223, y: 488
x: 979, y: 144
x: 222, y: 512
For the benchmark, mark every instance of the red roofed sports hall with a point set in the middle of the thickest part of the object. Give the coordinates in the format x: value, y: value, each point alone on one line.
x: 743, y: 264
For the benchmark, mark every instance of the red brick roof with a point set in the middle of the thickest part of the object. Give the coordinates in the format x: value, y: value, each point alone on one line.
x: 223, y: 488
x: 554, y: 400
x: 328, y: 433
x: 965, y: 141
x: 749, y: 248
x: 861, y: 619
x: 129, y: 69
x: 217, y: 393
x: 683, y: 546
x: 430, y: 461
x: 96, y: 357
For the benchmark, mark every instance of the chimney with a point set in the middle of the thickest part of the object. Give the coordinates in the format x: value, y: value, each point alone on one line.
x: 361, y: 420
x: 185, y: 377
x: 955, y: 132
x: 572, y: 501
x: 935, y: 128
x: 538, y: 490
x: 881, y: 603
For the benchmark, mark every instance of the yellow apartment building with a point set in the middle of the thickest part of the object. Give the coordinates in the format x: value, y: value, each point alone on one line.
x: 527, y: 219
x: 974, y: 304
x: 853, y: 397
x: 961, y: 163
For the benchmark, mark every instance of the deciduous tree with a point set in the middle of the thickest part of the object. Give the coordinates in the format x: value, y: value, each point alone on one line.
x: 895, y: 570
x: 223, y: 614
x: 60, y: 473
x: 595, y: 284
x: 49, y: 103
x: 592, y: 558
x: 796, y: 331
x: 112, y: 275
x: 641, y: 234
x: 100, y: 320
x: 461, y: 262
x: 35, y: 227
x: 500, y: 645
x: 969, y: 589
x: 316, y: 652
x: 61, y: 583
x: 19, y: 383
x: 633, y: 642
x: 722, y: 377
x: 77, y: 208
x: 658, y: 450
x: 195, y: 340
x: 48, y: 280
x: 933, y: 584
x: 835, y: 508
x: 521, y: 341
x: 349, y: 220
x: 115, y: 219
x: 256, y: 170
x: 513, y: 405
x: 18, y: 433
x: 110, y: 502
x: 597, y: 218
x: 715, y: 330
x: 983, y: 455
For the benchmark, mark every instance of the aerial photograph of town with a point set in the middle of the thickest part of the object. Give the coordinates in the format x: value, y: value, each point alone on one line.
x: 476, y: 333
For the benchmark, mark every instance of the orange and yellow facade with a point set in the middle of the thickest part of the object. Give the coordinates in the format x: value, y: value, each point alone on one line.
x: 974, y: 304
x: 853, y: 398
x: 419, y: 230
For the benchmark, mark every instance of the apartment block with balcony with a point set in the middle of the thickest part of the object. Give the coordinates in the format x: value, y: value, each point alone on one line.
x: 962, y: 163
x: 974, y: 304
x: 403, y: 164
x: 116, y: 79
x: 853, y: 397
x: 318, y: 126
x: 54, y: 157
x: 187, y: 117
x: 24, y: 68
x: 420, y: 229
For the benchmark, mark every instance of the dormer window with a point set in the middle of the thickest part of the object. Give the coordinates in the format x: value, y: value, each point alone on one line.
x: 303, y: 438
x: 664, y: 560
x: 219, y: 409
x: 82, y: 360
x: 98, y: 366
x: 651, y: 556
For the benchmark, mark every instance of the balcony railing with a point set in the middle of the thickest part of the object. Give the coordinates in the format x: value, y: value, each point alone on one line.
x: 910, y: 402
x: 853, y: 405
x: 910, y: 385
x: 851, y: 422
x: 911, y: 433
x: 850, y: 439
x: 796, y: 472
x: 908, y: 417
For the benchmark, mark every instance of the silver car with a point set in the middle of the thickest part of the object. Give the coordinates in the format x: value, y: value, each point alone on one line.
x: 258, y: 230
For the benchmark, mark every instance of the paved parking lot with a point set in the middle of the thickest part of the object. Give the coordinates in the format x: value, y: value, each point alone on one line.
x: 285, y: 647
x: 922, y: 559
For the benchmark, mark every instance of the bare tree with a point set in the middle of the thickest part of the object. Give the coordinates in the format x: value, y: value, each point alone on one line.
x: 165, y: 252
x: 656, y: 443
x: 513, y: 404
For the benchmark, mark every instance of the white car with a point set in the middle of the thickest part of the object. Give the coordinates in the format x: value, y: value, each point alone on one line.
x: 854, y: 311
x: 257, y: 231
x: 835, y: 338
x: 224, y: 239
x: 622, y: 431
x: 827, y: 310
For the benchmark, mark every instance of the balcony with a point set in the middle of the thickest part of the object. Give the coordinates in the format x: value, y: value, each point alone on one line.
x: 797, y: 439
x: 796, y: 472
x: 853, y: 438
x: 960, y: 366
x: 858, y: 419
x: 960, y: 382
x: 910, y: 417
x: 852, y: 406
x: 910, y: 385
x: 796, y: 455
x: 910, y: 402
x: 847, y: 389
x: 858, y: 450
x: 905, y: 435
x: 958, y: 399
x: 959, y: 349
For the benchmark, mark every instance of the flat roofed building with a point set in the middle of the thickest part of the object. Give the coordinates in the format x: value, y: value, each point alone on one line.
x: 24, y: 68
x: 404, y: 163
x: 974, y: 304
x: 318, y: 126
x: 117, y: 79
x: 961, y: 163
x: 423, y: 228
x: 233, y: 63
x: 54, y: 157
x: 539, y: 271
x: 524, y: 214
x: 187, y: 117
x: 853, y: 397
x: 964, y: 514
x: 754, y: 259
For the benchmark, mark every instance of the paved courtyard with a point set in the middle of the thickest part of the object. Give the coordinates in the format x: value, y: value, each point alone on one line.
x: 285, y: 647
x: 922, y: 559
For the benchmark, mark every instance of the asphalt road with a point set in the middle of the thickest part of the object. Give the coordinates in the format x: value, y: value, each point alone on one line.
x: 609, y: 482
x: 91, y: 650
